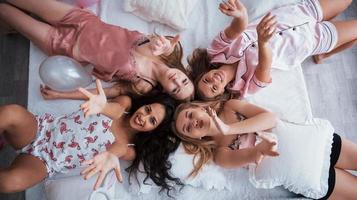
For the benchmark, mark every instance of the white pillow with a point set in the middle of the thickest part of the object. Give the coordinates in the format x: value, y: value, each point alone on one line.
x: 174, y: 13
x: 73, y: 186
x: 257, y: 8
x: 210, y: 177
x: 303, y: 164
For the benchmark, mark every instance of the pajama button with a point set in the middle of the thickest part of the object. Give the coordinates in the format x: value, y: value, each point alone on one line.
x: 294, y: 29
x: 280, y: 33
x: 253, y: 45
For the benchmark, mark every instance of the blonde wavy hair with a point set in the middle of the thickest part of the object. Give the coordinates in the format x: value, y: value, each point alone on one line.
x: 203, y: 149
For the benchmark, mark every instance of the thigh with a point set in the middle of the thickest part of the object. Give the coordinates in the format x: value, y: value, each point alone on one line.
x: 348, y: 155
x: 20, y: 125
x: 25, y: 172
x: 345, y: 186
x: 31, y: 28
x: 346, y: 30
x: 332, y: 8
x: 49, y: 10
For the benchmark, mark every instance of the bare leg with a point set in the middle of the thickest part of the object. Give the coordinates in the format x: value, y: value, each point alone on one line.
x: 332, y: 8
x: 347, y: 36
x: 24, y: 172
x: 34, y: 30
x: 345, y: 187
x: 18, y: 125
x: 348, y: 156
x: 49, y: 10
x: 318, y: 58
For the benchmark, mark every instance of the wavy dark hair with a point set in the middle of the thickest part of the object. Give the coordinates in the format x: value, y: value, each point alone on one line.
x: 153, y: 148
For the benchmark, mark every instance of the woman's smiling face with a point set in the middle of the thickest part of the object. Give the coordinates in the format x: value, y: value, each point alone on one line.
x: 212, y: 84
x: 148, y: 117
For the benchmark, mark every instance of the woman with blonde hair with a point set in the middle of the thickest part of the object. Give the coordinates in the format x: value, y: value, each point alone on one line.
x: 228, y: 133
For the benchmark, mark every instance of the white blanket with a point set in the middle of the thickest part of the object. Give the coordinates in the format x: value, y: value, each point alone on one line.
x: 286, y: 96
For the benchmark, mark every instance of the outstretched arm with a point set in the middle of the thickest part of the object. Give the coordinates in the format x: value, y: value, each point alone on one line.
x: 97, y: 103
x: 237, y: 10
x: 257, y: 118
x: 228, y: 158
x: 110, y: 92
x: 265, y: 29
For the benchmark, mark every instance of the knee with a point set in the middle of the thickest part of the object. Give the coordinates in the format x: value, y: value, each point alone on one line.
x: 9, y: 113
x: 10, y: 183
x: 4, y: 7
x: 348, y: 2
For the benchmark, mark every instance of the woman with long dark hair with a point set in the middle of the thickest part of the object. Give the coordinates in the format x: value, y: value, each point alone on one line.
x: 96, y: 137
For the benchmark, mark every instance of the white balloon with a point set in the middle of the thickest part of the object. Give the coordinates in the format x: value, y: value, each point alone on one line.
x: 63, y: 74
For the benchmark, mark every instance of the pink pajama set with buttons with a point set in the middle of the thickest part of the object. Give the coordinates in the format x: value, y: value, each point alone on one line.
x: 300, y: 33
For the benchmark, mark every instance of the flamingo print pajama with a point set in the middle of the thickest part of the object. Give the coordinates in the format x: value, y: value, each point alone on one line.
x: 63, y: 143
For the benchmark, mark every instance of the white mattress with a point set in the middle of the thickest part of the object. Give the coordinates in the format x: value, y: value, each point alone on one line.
x: 287, y: 95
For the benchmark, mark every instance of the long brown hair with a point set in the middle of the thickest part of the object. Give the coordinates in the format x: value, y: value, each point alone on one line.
x: 199, y: 65
x: 174, y: 60
x: 202, y: 149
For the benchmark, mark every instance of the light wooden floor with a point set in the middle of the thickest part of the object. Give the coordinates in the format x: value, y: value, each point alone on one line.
x: 332, y: 86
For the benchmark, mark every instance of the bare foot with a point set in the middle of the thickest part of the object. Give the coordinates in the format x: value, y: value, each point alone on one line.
x: 318, y: 58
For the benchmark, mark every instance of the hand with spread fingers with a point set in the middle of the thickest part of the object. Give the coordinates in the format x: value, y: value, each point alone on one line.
x: 160, y: 45
x: 266, y: 28
x: 268, y: 146
x: 102, y: 164
x: 233, y: 8
x: 221, y: 126
x: 96, y: 102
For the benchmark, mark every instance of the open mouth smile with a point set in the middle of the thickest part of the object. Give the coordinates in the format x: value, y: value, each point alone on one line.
x: 138, y: 120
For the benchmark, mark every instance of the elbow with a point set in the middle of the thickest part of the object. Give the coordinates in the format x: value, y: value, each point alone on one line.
x: 220, y: 162
x: 273, y: 119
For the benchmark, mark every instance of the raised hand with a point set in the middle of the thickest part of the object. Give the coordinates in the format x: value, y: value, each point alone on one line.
x: 96, y: 102
x: 221, y: 126
x: 268, y: 147
x: 233, y: 8
x: 160, y: 45
x: 102, y: 164
x: 266, y: 28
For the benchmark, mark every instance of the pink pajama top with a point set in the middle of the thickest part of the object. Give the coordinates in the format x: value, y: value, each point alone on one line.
x: 83, y: 36
x: 300, y: 33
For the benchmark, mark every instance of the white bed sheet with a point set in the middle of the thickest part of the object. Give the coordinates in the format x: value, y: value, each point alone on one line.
x: 287, y: 95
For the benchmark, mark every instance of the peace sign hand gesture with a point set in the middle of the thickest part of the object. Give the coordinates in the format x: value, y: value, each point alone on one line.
x: 96, y: 102
x: 160, y: 45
